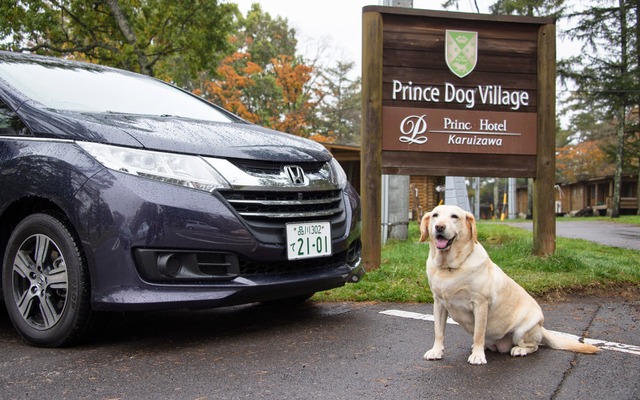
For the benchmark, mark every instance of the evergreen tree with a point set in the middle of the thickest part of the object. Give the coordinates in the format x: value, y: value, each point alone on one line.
x: 606, y: 73
x: 339, y: 113
x: 529, y: 8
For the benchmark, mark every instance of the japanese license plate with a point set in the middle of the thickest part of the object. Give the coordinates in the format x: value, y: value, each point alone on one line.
x: 308, y: 239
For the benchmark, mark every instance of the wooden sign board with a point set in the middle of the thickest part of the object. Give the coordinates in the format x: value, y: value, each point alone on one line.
x: 457, y: 94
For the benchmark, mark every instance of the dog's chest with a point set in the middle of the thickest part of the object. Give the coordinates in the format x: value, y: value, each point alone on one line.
x: 450, y: 286
x: 459, y: 301
x: 455, y: 289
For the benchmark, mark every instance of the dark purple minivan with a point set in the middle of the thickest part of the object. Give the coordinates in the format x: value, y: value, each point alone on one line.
x: 121, y: 192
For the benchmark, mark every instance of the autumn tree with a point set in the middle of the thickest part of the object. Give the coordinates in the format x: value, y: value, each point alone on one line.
x: 174, y: 40
x: 264, y: 81
x: 581, y: 161
x: 299, y: 101
x: 237, y: 72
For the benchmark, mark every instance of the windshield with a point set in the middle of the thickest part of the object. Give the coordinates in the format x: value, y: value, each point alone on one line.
x: 64, y: 86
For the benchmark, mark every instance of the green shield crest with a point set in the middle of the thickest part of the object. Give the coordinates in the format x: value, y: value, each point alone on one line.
x: 461, y: 51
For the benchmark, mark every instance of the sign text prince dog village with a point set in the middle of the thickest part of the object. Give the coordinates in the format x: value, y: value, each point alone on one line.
x: 493, y: 118
x: 457, y: 94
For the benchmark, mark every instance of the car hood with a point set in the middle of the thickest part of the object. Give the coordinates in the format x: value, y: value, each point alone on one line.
x: 239, y: 140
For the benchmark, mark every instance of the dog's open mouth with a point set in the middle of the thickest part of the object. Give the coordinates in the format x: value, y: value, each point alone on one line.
x: 442, y: 243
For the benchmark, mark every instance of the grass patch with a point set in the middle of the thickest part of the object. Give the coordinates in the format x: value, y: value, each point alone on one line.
x: 576, y: 265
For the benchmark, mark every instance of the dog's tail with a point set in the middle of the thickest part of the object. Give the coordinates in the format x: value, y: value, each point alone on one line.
x: 556, y: 341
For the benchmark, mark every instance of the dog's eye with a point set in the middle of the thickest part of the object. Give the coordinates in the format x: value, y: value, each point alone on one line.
x: 434, y: 215
x: 454, y: 216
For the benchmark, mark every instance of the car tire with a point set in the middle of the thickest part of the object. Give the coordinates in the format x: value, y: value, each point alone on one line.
x: 46, y: 283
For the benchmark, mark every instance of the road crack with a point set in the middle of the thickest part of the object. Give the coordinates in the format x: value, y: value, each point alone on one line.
x: 575, y: 361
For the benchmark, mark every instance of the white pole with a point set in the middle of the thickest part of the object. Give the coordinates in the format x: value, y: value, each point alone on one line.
x: 513, y: 212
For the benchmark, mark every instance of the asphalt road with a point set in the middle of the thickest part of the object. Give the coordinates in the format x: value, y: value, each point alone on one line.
x: 608, y: 233
x: 320, y: 351
x: 331, y: 351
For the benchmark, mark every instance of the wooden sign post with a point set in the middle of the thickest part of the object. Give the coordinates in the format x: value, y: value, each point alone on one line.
x: 457, y: 94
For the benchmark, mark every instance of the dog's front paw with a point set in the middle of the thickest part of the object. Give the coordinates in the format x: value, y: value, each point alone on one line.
x: 520, y: 351
x: 477, y: 358
x: 433, y: 354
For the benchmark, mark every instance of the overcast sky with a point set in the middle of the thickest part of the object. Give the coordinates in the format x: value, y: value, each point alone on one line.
x: 338, y: 23
x: 335, y: 23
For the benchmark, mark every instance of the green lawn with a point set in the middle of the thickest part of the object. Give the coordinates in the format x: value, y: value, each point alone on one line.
x: 576, y: 265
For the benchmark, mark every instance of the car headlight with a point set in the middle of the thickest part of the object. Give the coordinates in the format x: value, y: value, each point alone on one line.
x: 177, y: 169
x: 339, y: 177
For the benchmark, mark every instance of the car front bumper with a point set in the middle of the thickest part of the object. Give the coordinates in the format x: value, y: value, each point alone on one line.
x: 129, y: 225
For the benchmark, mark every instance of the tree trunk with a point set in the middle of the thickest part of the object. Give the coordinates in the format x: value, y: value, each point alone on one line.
x: 530, y: 198
x: 637, y: 57
x: 617, y: 179
x: 130, y: 36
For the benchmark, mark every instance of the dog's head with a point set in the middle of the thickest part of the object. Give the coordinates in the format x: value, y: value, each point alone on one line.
x: 447, y: 224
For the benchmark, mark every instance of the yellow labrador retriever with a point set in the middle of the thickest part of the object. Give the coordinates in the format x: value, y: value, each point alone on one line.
x: 478, y: 295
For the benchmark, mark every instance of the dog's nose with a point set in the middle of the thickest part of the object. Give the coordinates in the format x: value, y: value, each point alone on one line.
x: 440, y: 227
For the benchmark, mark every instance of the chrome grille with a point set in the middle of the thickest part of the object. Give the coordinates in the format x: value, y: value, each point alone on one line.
x: 285, y: 205
x: 267, y: 212
x: 266, y: 197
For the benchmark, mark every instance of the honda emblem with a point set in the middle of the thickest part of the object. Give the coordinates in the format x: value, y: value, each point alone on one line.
x: 295, y: 174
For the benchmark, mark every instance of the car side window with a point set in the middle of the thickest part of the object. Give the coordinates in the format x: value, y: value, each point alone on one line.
x: 10, y: 123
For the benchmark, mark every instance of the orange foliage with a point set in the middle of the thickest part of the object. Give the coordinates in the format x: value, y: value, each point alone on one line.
x: 582, y: 161
x: 323, y: 139
x: 297, y: 106
x: 291, y: 78
x: 236, y: 71
x: 293, y: 112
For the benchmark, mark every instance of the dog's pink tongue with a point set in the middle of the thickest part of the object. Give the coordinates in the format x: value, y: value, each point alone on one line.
x: 441, y: 243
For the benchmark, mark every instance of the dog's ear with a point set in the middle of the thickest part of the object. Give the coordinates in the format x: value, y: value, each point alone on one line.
x: 424, y: 227
x: 471, y: 224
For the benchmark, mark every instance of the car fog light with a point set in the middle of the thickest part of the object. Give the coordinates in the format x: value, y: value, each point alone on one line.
x: 169, y: 264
